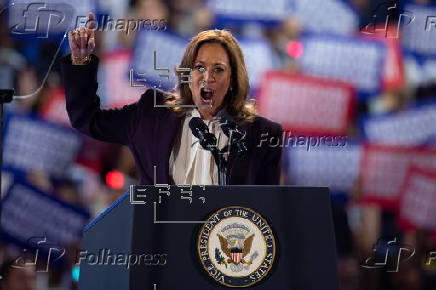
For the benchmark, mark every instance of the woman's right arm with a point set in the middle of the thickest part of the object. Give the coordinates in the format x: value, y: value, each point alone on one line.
x: 83, y: 105
x: 79, y: 72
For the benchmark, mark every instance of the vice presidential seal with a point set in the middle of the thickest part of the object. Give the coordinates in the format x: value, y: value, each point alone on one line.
x: 236, y: 247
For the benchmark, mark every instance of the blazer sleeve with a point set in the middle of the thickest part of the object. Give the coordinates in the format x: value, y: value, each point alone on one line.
x: 270, y: 167
x: 83, y: 105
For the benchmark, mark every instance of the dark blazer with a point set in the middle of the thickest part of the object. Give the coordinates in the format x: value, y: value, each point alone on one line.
x: 150, y: 132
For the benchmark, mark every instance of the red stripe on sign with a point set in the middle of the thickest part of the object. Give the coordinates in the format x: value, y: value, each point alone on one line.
x: 115, y: 67
x: 393, y: 71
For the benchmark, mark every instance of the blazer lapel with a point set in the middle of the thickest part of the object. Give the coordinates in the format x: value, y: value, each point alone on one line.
x: 233, y: 158
x: 166, y: 130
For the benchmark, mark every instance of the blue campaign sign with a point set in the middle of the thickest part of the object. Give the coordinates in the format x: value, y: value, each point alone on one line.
x: 242, y: 11
x: 334, y: 166
x: 413, y: 127
x: 31, y: 145
x: 428, y: 69
x: 419, y: 30
x: 353, y: 60
x: 28, y: 212
x: 155, y: 58
x: 420, y: 70
x: 43, y: 19
x: 332, y: 16
x: 258, y: 56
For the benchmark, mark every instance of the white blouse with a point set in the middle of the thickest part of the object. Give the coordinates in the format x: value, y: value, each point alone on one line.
x: 189, y: 163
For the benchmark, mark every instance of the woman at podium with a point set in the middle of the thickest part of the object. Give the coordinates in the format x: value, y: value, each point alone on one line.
x: 169, y: 141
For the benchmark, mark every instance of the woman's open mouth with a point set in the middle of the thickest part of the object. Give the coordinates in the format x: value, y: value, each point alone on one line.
x: 206, y: 94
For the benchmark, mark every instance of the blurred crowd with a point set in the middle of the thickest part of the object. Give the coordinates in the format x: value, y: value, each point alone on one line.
x: 98, y: 173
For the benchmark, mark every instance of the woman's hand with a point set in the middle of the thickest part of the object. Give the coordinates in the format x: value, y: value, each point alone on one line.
x: 82, y: 42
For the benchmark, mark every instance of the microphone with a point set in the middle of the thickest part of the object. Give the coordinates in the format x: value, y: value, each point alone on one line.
x: 201, y: 131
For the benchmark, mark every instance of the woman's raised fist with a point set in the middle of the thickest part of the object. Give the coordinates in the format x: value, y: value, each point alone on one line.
x: 82, y: 42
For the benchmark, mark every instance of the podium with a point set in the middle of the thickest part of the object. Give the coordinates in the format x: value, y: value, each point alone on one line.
x: 212, y: 237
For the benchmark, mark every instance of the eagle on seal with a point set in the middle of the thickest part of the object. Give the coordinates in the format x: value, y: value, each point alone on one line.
x: 236, y: 249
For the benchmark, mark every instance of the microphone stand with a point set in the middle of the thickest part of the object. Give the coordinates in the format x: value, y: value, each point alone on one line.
x: 221, y: 163
x: 6, y: 96
x: 237, y: 147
